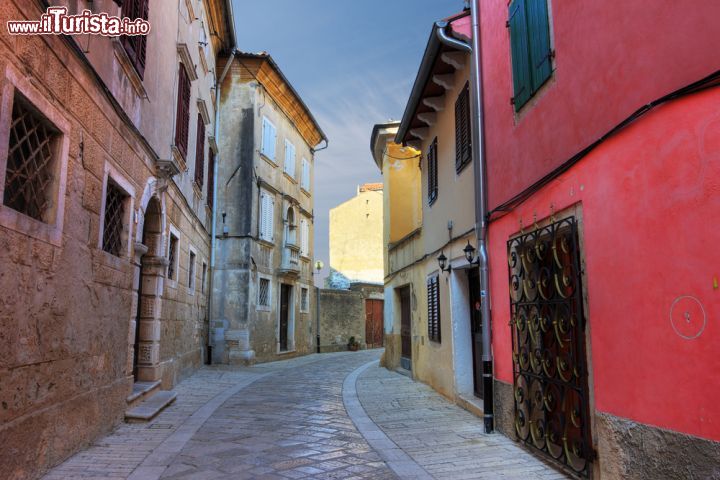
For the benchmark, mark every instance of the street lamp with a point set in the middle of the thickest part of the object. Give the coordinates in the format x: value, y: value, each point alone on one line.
x: 470, y: 254
x: 442, y: 262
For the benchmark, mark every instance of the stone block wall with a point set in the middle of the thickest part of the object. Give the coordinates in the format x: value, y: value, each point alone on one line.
x: 342, y: 315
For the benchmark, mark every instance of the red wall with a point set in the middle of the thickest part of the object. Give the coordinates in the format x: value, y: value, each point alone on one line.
x: 650, y: 197
x: 612, y: 56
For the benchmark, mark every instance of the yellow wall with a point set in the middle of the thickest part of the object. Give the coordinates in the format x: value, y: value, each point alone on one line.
x: 356, y: 237
x: 402, y: 187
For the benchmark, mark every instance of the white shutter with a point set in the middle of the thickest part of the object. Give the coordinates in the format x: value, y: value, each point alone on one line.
x: 271, y: 218
x: 263, y: 215
x: 305, y: 174
x: 269, y: 137
x: 289, y: 158
x: 267, y: 212
x: 305, y: 237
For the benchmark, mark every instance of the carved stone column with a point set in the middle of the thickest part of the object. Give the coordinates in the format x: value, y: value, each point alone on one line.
x: 153, y: 277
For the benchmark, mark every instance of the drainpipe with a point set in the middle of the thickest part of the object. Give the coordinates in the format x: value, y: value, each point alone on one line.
x: 478, y: 157
x: 218, y: 83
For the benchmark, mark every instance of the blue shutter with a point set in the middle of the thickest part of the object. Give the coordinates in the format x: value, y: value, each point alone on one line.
x: 539, y: 28
x: 520, y: 55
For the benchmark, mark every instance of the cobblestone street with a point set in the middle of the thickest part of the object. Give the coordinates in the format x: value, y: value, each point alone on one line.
x: 321, y: 416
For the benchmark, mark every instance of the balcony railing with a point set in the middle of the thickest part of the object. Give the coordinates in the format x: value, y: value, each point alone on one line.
x: 290, y: 259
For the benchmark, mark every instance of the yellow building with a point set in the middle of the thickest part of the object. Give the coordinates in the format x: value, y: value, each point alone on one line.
x: 356, y: 241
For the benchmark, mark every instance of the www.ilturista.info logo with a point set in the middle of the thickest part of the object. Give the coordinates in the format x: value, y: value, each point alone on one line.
x: 57, y: 22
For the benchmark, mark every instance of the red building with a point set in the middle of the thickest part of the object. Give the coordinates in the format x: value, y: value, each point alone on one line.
x: 602, y: 146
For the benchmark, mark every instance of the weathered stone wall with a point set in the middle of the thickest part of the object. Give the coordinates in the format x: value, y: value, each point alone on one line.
x: 342, y: 315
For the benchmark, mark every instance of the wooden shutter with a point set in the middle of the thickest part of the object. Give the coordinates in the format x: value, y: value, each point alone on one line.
x: 183, y: 112
x: 304, y: 237
x: 269, y: 139
x: 267, y: 214
x: 433, y: 300
x: 289, y: 158
x: 211, y: 179
x: 432, y: 172
x: 520, y: 54
x: 135, y: 45
x: 463, y: 141
x: 539, y: 35
x: 200, y: 153
x: 305, y: 175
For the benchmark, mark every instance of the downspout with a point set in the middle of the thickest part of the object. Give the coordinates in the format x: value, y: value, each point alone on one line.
x: 213, y: 240
x: 478, y: 157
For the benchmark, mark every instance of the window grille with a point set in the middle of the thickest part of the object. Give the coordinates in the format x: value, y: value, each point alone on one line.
x: 191, y: 271
x: 463, y: 140
x: 432, y: 172
x: 264, y: 293
x: 114, y: 215
x: 31, y: 154
x: 172, y: 257
x: 135, y: 45
x: 200, y: 153
x: 183, y: 112
x: 304, y: 300
x: 433, y: 295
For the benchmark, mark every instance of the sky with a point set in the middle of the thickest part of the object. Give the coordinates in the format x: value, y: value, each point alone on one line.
x: 353, y: 62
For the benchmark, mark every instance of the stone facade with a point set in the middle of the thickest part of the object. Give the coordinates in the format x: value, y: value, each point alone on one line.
x: 72, y: 296
x: 264, y: 303
x: 343, y: 314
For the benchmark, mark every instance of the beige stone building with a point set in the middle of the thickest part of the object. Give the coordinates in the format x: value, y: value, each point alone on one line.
x: 263, y: 305
x: 106, y: 149
x: 356, y: 240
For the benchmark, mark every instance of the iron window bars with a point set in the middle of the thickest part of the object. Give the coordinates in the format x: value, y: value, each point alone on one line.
x: 114, y: 214
x: 550, y: 374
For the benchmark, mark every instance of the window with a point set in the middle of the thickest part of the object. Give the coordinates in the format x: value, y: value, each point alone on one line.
x: 172, y: 257
x: 135, y: 45
x: 305, y: 181
x: 31, y: 162
x: 290, y: 158
x: 269, y: 138
x: 304, y: 237
x: 433, y: 299
x: 191, y: 271
x: 264, y: 293
x: 304, y: 300
x: 267, y: 216
x: 463, y: 140
x: 183, y: 112
x: 113, y: 219
x: 211, y: 179
x: 204, y: 277
x: 432, y: 174
x: 200, y: 153
x: 530, y: 48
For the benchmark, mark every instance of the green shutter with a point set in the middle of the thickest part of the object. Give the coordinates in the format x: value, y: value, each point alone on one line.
x: 520, y: 55
x: 539, y: 34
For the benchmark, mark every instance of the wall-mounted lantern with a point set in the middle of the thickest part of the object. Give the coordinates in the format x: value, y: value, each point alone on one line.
x: 442, y: 263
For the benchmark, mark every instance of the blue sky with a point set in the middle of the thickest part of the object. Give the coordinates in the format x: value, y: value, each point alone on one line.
x: 353, y: 63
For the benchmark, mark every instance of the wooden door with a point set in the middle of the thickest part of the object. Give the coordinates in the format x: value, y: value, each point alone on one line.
x: 476, y: 330
x: 374, y: 323
x: 405, y: 329
x: 284, y: 315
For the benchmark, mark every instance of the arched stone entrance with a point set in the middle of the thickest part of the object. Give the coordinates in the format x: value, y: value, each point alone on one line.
x: 151, y: 266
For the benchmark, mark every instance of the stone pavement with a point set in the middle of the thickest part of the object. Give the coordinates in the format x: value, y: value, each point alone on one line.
x: 302, y: 418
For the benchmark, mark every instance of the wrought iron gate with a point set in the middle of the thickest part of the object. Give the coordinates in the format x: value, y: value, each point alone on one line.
x: 548, y: 334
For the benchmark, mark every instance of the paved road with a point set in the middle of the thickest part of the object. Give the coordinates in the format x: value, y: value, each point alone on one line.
x: 305, y: 418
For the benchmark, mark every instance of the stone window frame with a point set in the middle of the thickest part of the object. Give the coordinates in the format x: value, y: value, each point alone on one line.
x: 51, y: 232
x: 258, y: 305
x: 303, y: 288
x: 173, y: 232
x: 203, y: 277
x: 112, y: 173
x: 192, y: 266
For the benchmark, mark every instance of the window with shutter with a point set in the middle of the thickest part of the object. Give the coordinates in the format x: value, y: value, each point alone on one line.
x: 211, y: 179
x: 135, y: 45
x: 433, y: 300
x: 269, y: 138
x: 463, y: 149
x: 304, y: 237
x: 529, y: 47
x: 183, y: 112
x: 200, y: 153
x: 289, y: 158
x: 305, y: 184
x: 267, y: 213
x: 432, y: 172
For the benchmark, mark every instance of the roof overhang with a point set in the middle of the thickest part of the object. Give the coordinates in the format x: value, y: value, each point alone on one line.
x: 381, y: 133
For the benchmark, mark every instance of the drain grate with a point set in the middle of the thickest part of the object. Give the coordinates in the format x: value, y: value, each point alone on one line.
x: 161, y: 426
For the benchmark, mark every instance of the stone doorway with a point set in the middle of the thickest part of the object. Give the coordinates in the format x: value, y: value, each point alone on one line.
x: 151, y: 266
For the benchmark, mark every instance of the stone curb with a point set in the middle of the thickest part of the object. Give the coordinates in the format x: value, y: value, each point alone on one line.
x: 398, y: 461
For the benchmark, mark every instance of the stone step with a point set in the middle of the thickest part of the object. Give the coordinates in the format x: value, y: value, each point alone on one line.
x: 142, y: 391
x: 149, y: 408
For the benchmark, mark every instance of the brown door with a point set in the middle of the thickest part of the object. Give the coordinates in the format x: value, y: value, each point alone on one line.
x: 405, y: 330
x: 284, y: 315
x: 374, y: 323
x: 476, y: 330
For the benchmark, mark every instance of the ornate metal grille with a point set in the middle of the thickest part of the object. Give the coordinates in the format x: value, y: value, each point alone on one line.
x: 264, y: 294
x: 114, y: 214
x: 172, y: 254
x: 29, y: 174
x: 548, y: 335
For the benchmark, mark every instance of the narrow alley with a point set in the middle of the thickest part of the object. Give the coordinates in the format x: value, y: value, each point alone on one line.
x: 322, y: 416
